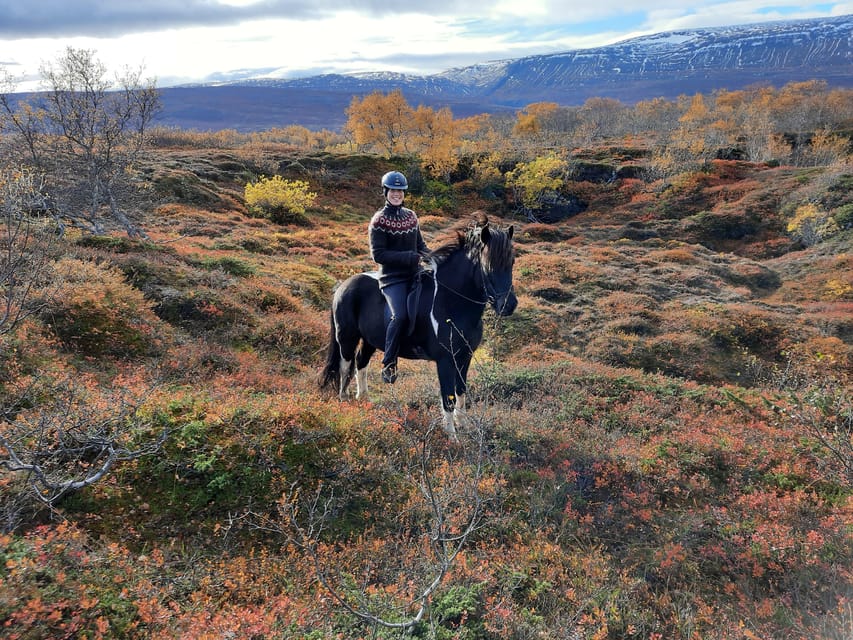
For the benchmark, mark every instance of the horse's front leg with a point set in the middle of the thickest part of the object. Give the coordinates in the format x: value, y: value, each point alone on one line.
x: 360, y: 383
x: 460, y: 416
x: 449, y: 401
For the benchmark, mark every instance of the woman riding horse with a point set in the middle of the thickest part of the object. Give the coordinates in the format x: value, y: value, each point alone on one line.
x: 469, y: 273
x: 396, y: 245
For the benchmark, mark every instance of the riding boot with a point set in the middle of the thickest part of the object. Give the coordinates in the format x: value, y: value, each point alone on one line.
x: 392, y: 348
x: 389, y: 373
x: 395, y: 295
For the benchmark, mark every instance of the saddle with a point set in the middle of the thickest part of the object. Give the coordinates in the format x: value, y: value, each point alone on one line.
x: 413, y: 299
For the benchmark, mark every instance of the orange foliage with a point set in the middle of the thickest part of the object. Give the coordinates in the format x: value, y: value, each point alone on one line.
x: 646, y: 471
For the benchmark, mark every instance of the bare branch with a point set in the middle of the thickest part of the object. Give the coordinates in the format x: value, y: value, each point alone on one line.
x: 23, y: 246
x: 72, y: 444
x: 85, y: 135
x: 455, y: 509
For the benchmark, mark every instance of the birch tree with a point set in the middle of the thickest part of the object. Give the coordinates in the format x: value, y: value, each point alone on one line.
x: 85, y: 133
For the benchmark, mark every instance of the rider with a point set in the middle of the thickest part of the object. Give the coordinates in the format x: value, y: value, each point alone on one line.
x: 396, y: 244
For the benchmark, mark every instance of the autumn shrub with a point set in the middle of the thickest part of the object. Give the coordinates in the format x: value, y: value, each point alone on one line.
x: 837, y: 289
x: 311, y: 284
x: 738, y: 326
x: 98, y: 314
x: 843, y: 216
x: 528, y: 324
x: 229, y: 264
x: 710, y: 227
x: 202, y: 311
x: 626, y: 312
x: 551, y: 290
x: 623, y: 303
x: 811, y: 224
x: 117, y: 244
x: 186, y: 187
x: 754, y: 275
x: 567, y: 268
x: 436, y: 197
x: 282, y: 201
x: 684, y: 355
x: 511, y: 385
x: 827, y: 148
x: 457, y: 614
x: 27, y: 354
x: 541, y: 232
x: 816, y: 358
x: 268, y: 296
x: 614, y: 349
x: 819, y: 409
x: 487, y: 174
x: 53, y: 584
x: 680, y: 255
x: 202, y: 466
x: 533, y: 182
x: 641, y: 343
x: 292, y: 337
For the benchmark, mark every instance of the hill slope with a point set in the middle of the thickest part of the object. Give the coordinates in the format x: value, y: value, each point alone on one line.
x: 650, y: 451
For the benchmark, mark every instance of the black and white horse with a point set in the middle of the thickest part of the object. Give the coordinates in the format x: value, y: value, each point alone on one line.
x: 465, y: 275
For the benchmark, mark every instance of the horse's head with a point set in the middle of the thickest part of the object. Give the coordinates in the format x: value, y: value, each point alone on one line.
x: 496, y: 257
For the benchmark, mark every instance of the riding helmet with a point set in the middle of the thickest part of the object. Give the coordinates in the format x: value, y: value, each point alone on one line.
x: 395, y: 180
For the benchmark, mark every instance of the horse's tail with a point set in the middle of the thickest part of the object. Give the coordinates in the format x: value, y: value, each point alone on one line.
x: 331, y: 373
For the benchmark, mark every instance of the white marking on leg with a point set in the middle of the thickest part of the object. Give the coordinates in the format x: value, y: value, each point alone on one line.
x: 361, y: 383
x: 449, y: 429
x: 432, y: 317
x: 460, y: 415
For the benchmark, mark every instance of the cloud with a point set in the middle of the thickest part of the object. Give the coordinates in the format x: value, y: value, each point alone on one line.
x: 180, y: 41
x: 110, y: 18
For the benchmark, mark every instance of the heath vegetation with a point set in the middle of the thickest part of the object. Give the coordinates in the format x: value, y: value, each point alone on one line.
x: 661, y: 437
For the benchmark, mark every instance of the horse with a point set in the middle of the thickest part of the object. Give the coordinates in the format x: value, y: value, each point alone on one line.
x: 463, y: 276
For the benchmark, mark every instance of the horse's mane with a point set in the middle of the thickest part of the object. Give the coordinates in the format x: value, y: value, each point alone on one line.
x: 465, y: 236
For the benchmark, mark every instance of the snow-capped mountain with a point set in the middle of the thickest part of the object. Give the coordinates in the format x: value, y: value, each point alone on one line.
x: 672, y: 63
x: 661, y: 65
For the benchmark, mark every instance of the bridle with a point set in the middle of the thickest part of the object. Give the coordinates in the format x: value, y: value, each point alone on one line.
x: 491, y: 295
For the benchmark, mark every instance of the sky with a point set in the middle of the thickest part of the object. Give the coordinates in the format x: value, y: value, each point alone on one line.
x: 188, y: 41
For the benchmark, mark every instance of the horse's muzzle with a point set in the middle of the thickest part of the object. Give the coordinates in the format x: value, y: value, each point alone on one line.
x: 505, y: 305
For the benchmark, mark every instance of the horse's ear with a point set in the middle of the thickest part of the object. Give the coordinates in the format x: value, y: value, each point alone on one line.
x: 485, y: 234
x: 509, y: 232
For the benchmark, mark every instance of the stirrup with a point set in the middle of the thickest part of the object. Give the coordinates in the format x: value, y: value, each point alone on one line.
x: 389, y: 373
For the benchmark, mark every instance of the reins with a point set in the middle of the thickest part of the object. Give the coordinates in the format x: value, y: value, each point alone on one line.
x: 434, y: 270
x: 489, y: 296
x: 462, y: 295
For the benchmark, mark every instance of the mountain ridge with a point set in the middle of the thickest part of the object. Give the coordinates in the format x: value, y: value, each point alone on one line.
x: 665, y: 64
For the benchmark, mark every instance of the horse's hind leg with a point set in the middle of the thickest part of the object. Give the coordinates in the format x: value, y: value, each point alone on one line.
x: 362, y: 359
x: 347, y: 349
x: 346, y: 376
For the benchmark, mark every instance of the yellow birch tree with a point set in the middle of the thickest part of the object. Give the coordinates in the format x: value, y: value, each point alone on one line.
x: 381, y: 120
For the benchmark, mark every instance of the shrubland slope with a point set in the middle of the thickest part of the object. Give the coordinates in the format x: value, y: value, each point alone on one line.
x: 660, y: 441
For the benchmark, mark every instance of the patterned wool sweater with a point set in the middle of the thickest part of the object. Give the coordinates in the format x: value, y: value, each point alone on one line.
x: 395, y: 242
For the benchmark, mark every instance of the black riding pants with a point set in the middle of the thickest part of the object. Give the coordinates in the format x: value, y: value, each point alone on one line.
x: 396, y: 296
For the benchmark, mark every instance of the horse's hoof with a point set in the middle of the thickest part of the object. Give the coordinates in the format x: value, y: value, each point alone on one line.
x: 462, y: 422
x: 450, y: 431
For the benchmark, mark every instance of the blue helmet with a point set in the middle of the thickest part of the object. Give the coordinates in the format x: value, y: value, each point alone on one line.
x: 395, y: 180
